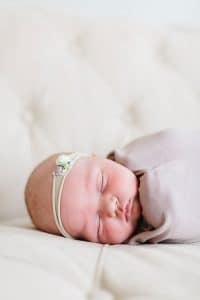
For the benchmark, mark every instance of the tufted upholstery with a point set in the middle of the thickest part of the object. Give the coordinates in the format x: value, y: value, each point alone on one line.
x: 74, y: 83
x: 37, y: 265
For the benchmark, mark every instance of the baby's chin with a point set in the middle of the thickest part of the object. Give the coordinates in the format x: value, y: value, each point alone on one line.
x: 136, y: 207
x: 135, y: 185
x: 136, y: 210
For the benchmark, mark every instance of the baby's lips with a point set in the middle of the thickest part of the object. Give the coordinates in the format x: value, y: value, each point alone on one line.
x: 137, y: 184
x: 128, y: 210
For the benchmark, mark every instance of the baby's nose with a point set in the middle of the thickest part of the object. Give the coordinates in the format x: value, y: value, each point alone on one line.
x: 110, y: 206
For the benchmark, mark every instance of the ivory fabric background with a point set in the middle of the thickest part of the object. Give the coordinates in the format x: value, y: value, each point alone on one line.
x: 88, y: 84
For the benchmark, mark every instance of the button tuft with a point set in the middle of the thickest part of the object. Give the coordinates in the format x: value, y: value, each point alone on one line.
x: 28, y: 116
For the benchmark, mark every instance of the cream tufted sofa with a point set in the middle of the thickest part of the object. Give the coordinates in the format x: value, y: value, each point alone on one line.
x: 77, y: 83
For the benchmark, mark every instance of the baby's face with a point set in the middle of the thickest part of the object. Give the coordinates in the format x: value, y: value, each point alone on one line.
x: 95, y: 198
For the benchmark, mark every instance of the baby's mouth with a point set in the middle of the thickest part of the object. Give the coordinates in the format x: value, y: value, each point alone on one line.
x: 128, y: 209
x: 135, y: 208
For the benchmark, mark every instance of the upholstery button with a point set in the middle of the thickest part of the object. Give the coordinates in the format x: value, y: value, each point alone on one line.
x: 28, y: 116
x: 100, y: 294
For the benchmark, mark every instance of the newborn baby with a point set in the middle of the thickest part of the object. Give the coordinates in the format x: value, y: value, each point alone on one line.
x: 147, y: 191
x: 97, y: 198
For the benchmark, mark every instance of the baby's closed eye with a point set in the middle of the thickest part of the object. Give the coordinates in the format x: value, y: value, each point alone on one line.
x: 99, y: 228
x: 101, y: 181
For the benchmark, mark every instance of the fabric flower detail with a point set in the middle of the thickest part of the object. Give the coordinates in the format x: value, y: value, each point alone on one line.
x: 63, y: 162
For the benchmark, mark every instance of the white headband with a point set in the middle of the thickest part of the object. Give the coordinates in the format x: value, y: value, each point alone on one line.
x: 64, y: 163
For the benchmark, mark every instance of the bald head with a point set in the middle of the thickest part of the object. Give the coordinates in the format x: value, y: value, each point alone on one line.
x: 38, y: 195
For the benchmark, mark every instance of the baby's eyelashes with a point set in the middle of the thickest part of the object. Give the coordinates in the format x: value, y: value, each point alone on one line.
x: 98, y: 226
x: 101, y: 182
x: 103, y: 185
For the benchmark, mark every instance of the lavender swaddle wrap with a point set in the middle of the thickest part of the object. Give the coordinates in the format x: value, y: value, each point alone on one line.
x: 167, y: 164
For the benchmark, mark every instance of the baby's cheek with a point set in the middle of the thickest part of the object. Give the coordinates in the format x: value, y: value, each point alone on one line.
x: 116, y: 232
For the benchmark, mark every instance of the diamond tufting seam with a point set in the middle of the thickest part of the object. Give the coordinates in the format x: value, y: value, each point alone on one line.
x: 97, y: 274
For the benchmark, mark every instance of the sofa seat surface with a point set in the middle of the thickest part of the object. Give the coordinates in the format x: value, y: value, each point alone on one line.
x: 72, y: 83
x: 38, y: 265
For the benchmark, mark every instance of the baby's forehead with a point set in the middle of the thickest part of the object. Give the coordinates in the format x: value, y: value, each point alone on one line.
x: 84, y: 168
x: 93, y: 161
x: 99, y: 162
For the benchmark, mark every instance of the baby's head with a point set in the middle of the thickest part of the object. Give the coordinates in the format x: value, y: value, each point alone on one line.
x: 85, y: 196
